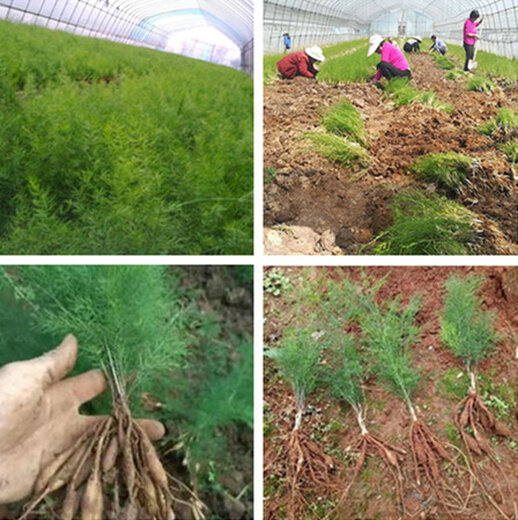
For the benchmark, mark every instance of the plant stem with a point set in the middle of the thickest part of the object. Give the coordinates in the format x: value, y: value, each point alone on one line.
x: 359, y: 417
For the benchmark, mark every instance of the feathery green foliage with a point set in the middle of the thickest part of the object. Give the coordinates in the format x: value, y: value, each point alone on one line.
x: 488, y: 62
x: 297, y: 358
x: 346, y: 300
x: 387, y: 335
x: 109, y: 148
x: 349, y: 68
x: 346, y: 373
x: 447, y: 169
x: 466, y: 329
x: 426, y: 225
x: 124, y: 317
x: 401, y: 93
x: 214, y: 399
x: 453, y: 75
x: 340, y: 150
x: 330, y: 52
x: 511, y: 150
x: 443, y: 62
x: 480, y: 84
x: 344, y: 120
x: 505, y: 120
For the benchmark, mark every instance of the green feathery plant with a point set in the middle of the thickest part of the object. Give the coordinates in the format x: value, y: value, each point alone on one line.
x: 125, y: 318
x: 506, y: 120
x: 480, y: 84
x: 387, y: 335
x: 346, y: 374
x: 466, y: 329
x: 443, y: 62
x: 344, y: 120
x: 511, y: 150
x: 427, y: 225
x: 339, y: 149
x: 297, y: 359
x: 447, y: 169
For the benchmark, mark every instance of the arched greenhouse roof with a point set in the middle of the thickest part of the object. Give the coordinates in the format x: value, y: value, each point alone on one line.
x: 327, y: 21
x: 220, y: 31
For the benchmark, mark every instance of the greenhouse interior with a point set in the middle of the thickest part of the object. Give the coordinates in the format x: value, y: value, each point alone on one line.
x: 219, y: 31
x: 382, y: 140
x: 108, y: 141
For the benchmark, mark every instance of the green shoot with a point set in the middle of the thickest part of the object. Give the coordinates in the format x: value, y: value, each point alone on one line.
x: 346, y: 373
x: 480, y: 84
x: 340, y: 150
x: 401, y: 93
x: 506, y: 120
x: 125, y: 318
x: 511, y: 150
x: 466, y: 329
x: 387, y: 336
x: 443, y: 62
x: 344, y: 120
x: 447, y: 169
x: 297, y: 358
x: 427, y: 226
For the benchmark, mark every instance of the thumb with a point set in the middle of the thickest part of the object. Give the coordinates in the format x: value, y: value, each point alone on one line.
x: 56, y: 364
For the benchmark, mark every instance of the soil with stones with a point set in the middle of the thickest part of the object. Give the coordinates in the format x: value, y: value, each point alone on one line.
x: 374, y: 493
x: 306, y: 195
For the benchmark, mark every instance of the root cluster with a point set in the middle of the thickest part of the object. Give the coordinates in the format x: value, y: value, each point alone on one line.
x: 112, y: 472
x: 475, y: 423
x: 309, y: 469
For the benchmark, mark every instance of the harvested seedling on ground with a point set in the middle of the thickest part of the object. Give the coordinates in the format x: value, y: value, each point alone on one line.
x: 447, y: 169
x: 469, y: 333
x: 347, y: 375
x: 388, y: 334
x: 308, y: 467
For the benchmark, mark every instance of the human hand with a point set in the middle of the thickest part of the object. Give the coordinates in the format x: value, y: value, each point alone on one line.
x: 39, y: 415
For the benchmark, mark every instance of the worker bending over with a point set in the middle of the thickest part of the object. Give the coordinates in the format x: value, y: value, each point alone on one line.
x: 301, y: 63
x: 438, y: 45
x: 393, y: 63
x: 412, y: 44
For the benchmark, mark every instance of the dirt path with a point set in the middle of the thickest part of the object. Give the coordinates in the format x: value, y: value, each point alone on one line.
x: 334, y: 426
x: 311, y: 196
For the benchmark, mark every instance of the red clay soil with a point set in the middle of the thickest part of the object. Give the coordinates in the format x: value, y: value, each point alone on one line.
x: 373, y: 496
x: 308, y: 190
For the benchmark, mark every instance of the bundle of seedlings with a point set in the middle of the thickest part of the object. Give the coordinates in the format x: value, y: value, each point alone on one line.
x: 127, y: 325
x: 468, y: 331
x: 387, y: 335
x: 308, y: 468
x: 346, y: 377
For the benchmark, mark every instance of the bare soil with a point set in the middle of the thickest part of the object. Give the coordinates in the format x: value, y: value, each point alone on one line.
x: 304, y: 189
x: 374, y: 495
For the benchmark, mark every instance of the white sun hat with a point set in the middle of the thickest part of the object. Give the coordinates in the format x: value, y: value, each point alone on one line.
x: 374, y: 43
x: 315, y: 53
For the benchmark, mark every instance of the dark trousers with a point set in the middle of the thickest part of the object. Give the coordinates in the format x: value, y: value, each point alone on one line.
x: 470, y: 52
x: 411, y: 47
x: 389, y: 71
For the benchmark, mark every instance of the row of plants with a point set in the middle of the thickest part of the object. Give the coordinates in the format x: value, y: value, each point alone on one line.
x: 364, y: 342
x: 164, y: 358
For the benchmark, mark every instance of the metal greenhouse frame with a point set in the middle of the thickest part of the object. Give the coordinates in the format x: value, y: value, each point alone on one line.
x: 311, y: 22
x: 142, y: 22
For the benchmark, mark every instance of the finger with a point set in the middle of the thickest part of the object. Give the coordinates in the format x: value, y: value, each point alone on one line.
x: 75, y: 391
x: 155, y: 430
x: 56, y: 364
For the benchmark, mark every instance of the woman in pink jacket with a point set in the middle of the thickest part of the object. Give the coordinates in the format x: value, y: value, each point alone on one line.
x: 393, y: 63
x: 470, y: 36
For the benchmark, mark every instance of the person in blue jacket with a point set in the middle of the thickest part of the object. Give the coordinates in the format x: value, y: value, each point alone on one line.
x: 438, y: 45
x: 287, y: 42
